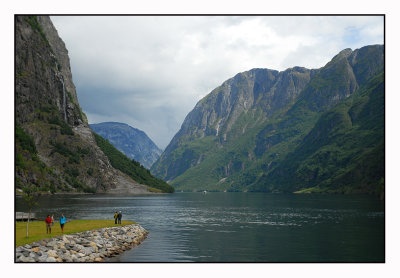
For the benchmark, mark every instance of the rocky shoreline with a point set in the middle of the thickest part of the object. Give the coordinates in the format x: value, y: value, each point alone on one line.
x: 88, y: 246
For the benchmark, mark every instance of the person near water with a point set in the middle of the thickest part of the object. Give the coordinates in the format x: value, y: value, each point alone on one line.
x: 116, y: 217
x: 119, y: 217
x: 48, y: 224
x: 52, y: 220
x: 62, y: 222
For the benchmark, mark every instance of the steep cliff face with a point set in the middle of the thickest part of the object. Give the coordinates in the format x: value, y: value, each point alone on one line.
x: 133, y: 142
x: 74, y: 116
x: 64, y: 156
x: 266, y: 89
x: 258, y: 92
x: 241, y: 136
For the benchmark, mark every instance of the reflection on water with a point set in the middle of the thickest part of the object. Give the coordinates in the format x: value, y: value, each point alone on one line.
x: 238, y: 227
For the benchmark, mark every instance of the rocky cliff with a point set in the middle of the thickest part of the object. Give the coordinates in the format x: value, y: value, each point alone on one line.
x: 257, y: 94
x: 133, y: 142
x: 247, y: 132
x: 55, y: 148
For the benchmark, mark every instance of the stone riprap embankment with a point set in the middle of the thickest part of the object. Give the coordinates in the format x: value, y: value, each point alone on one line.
x: 89, y: 246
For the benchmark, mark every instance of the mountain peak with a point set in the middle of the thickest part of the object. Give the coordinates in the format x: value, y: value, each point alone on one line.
x: 133, y: 142
x: 343, y: 54
x: 247, y: 134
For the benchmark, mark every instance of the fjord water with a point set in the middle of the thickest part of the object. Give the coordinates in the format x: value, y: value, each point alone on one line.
x: 238, y: 227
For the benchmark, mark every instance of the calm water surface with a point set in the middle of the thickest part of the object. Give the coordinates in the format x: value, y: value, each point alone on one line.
x: 238, y: 227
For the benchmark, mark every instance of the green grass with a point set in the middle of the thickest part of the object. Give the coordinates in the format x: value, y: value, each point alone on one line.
x: 37, y: 229
x: 310, y: 190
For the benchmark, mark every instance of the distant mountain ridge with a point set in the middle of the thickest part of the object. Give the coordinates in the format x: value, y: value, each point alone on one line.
x: 133, y: 142
x: 298, y: 130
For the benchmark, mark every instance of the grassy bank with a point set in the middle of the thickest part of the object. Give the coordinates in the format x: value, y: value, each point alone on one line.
x: 37, y: 229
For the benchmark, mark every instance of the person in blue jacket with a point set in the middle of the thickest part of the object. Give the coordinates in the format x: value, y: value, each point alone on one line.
x: 62, y: 222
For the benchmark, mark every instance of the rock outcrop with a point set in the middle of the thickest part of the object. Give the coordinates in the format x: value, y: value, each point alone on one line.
x: 216, y: 114
x: 61, y: 153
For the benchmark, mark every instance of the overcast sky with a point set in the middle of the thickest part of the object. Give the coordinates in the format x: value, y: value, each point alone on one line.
x: 149, y: 72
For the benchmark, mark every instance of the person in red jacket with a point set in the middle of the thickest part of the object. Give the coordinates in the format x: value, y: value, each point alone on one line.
x: 48, y: 224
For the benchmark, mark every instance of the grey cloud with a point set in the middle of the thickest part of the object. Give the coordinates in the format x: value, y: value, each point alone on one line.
x: 151, y: 71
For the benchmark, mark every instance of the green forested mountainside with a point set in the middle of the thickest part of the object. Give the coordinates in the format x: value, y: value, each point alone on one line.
x: 132, y: 142
x: 328, y: 137
x: 131, y: 167
x: 344, y: 152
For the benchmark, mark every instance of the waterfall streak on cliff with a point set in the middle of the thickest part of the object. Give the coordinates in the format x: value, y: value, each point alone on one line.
x: 58, y: 74
x: 218, y: 126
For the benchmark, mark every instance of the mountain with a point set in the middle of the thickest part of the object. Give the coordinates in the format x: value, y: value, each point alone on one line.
x: 133, y: 142
x: 299, y: 130
x: 55, y: 150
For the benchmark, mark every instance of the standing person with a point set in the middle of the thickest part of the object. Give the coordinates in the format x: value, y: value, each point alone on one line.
x: 116, y: 217
x: 119, y: 217
x: 48, y: 224
x: 62, y: 222
x: 52, y: 220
